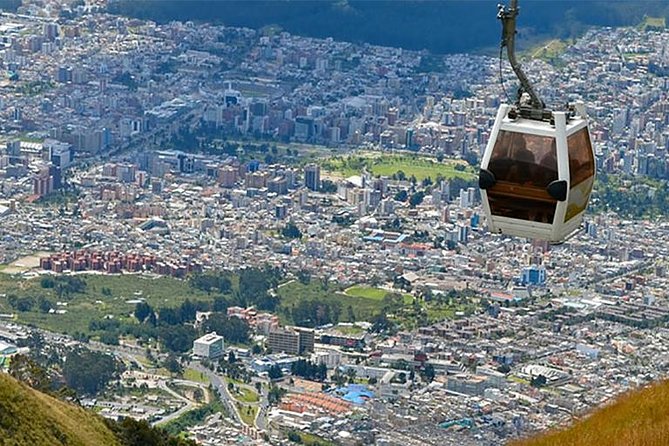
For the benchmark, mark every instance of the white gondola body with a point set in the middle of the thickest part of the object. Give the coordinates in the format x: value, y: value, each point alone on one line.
x: 518, y: 209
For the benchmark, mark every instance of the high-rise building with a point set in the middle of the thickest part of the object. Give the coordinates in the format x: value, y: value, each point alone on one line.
x: 409, y: 139
x: 533, y: 275
x: 209, y: 346
x: 281, y: 211
x: 227, y: 176
x: 464, y: 199
x: 46, y: 180
x: 60, y: 153
x: 50, y: 31
x: 312, y: 176
x: 294, y: 340
x: 257, y: 180
x: 278, y: 186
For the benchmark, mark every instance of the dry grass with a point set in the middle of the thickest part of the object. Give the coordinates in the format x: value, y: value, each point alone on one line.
x: 30, y: 418
x: 638, y: 418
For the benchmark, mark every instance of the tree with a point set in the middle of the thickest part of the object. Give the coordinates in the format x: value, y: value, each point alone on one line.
x: 88, y: 371
x: 429, y: 373
x: 504, y: 368
x: 177, y: 338
x: 173, y: 365
x: 294, y: 437
x: 339, y: 379
x: 350, y: 313
x: 233, y: 329
x: 47, y: 282
x: 26, y: 370
x: 351, y: 374
x: 416, y: 199
x: 328, y: 186
x: 275, y: 372
x: 275, y: 394
x: 109, y: 338
x: 312, y: 313
x: 401, y: 196
x: 131, y: 432
x: 381, y: 323
x: 538, y: 381
x: 220, y: 304
x: 169, y: 316
x: 256, y: 349
x: 211, y: 281
x: 254, y: 285
x: 44, y: 304
x: 198, y: 394
x: 187, y: 311
x: 304, y: 276
x: 142, y: 311
x: 291, y: 231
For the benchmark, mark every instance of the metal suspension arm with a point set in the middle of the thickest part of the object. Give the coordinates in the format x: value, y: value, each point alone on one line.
x: 508, y: 18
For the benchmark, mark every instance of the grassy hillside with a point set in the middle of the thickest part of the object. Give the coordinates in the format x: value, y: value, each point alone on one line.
x: 635, y: 419
x: 28, y: 417
x: 103, y: 296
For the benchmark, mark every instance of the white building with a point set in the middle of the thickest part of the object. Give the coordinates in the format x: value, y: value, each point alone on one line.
x: 209, y: 346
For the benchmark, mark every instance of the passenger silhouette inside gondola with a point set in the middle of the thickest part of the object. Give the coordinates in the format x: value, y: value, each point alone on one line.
x: 548, y: 167
x: 513, y: 164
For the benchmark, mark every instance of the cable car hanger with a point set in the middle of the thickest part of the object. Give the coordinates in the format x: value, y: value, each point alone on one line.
x: 530, y: 106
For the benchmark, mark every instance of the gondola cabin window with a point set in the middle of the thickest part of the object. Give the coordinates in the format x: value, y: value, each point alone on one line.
x: 523, y: 165
x: 581, y: 172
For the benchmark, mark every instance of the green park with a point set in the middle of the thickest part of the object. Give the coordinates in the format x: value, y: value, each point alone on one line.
x: 400, y: 166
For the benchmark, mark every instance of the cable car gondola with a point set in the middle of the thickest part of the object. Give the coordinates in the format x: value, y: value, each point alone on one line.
x: 538, y: 168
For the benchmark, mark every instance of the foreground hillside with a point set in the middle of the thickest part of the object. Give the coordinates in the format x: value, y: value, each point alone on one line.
x: 28, y: 417
x: 635, y: 419
x: 31, y: 418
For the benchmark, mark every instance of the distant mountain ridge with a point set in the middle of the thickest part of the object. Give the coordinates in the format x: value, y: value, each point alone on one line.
x: 438, y: 26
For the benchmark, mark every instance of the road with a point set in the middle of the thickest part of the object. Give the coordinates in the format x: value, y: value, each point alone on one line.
x: 261, y: 417
x: 222, y: 388
x: 188, y: 407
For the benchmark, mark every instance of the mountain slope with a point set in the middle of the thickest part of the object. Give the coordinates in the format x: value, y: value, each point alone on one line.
x: 637, y: 418
x: 28, y: 417
x: 439, y: 26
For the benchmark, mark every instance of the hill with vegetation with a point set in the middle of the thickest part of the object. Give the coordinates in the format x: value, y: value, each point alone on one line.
x: 29, y: 417
x: 634, y: 419
x: 440, y: 27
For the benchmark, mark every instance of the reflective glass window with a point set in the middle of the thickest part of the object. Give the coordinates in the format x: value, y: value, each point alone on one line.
x: 581, y: 172
x: 524, y: 159
x: 523, y: 165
